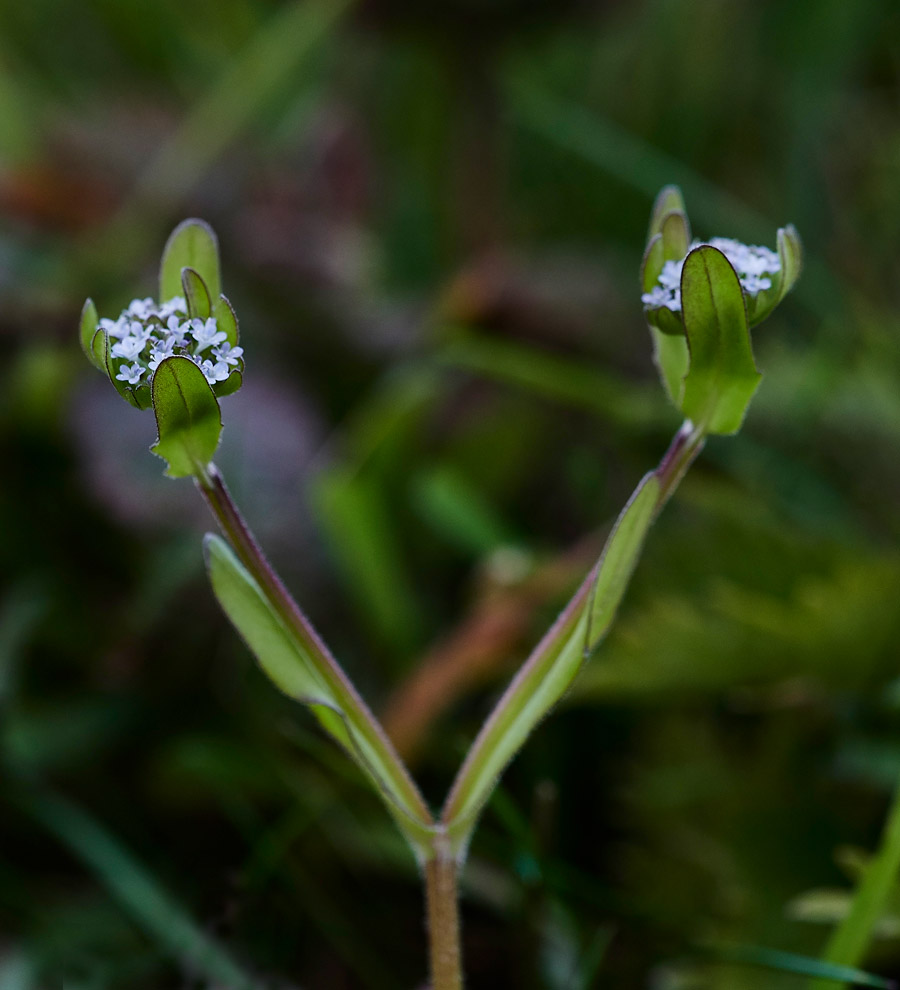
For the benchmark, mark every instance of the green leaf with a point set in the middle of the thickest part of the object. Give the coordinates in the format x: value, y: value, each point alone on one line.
x: 196, y: 295
x: 619, y: 558
x: 652, y: 263
x: 552, y: 667
x: 88, y: 329
x: 722, y: 376
x: 668, y: 200
x: 671, y: 244
x: 231, y: 384
x: 672, y: 358
x: 192, y: 244
x: 790, y: 254
x: 225, y: 319
x: 676, y: 235
x: 187, y: 417
x: 301, y: 672
x: 100, y: 347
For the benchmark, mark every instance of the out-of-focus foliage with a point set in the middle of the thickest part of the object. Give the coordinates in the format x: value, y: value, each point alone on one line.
x: 432, y: 219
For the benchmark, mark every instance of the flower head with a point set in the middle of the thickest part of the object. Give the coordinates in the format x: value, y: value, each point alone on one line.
x: 755, y: 268
x: 701, y: 298
x: 192, y: 320
x: 145, y: 334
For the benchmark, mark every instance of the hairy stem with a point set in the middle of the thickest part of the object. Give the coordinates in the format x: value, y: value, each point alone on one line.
x: 561, y: 648
x: 443, y: 918
x: 238, y: 534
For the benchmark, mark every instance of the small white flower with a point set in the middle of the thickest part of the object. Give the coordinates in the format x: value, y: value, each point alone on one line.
x: 753, y: 284
x: 176, y: 330
x: 115, y: 328
x: 670, y: 276
x: 206, y: 333
x: 748, y: 259
x: 217, y: 372
x: 131, y: 375
x: 225, y: 352
x: 141, y: 308
x: 160, y: 351
x: 140, y: 330
x: 176, y: 304
x: 128, y: 347
x: 660, y: 296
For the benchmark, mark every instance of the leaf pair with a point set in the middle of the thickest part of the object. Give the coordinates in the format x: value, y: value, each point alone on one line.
x: 301, y: 668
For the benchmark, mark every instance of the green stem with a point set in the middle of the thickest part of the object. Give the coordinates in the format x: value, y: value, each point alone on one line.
x: 238, y: 534
x: 850, y: 942
x: 561, y: 649
x: 442, y: 902
x: 684, y: 448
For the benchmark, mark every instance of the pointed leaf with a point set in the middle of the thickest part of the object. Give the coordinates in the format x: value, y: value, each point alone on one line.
x: 231, y: 384
x: 619, y: 559
x: 226, y: 320
x: 551, y: 668
x: 88, y: 328
x: 652, y: 264
x: 192, y: 244
x: 187, y: 417
x: 722, y: 376
x: 676, y: 235
x: 664, y: 320
x: 301, y: 673
x: 196, y: 295
x: 143, y: 396
x: 100, y: 347
x: 790, y: 254
x: 671, y: 356
x: 668, y: 200
x: 670, y: 245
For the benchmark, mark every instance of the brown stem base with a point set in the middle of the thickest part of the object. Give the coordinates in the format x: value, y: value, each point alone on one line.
x: 443, y: 923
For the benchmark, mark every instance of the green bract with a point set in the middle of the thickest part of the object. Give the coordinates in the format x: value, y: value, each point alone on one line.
x: 178, y: 355
x: 187, y: 415
x: 700, y: 300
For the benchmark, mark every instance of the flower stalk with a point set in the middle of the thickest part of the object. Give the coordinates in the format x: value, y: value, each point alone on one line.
x: 442, y: 901
x: 416, y: 820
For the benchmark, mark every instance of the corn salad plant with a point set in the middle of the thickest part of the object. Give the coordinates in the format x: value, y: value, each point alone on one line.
x: 180, y: 355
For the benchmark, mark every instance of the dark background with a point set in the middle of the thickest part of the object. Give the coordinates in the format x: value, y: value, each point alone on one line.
x: 431, y: 220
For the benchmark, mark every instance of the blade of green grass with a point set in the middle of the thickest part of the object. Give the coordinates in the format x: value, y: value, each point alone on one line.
x: 850, y: 941
x: 828, y: 973
x: 151, y: 906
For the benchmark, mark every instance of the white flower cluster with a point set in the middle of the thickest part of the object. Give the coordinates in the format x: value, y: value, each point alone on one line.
x: 753, y: 266
x: 145, y: 334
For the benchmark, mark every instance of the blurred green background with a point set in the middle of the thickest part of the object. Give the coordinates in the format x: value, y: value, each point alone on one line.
x: 431, y: 220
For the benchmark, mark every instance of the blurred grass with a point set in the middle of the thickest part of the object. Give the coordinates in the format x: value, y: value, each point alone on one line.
x: 431, y: 222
